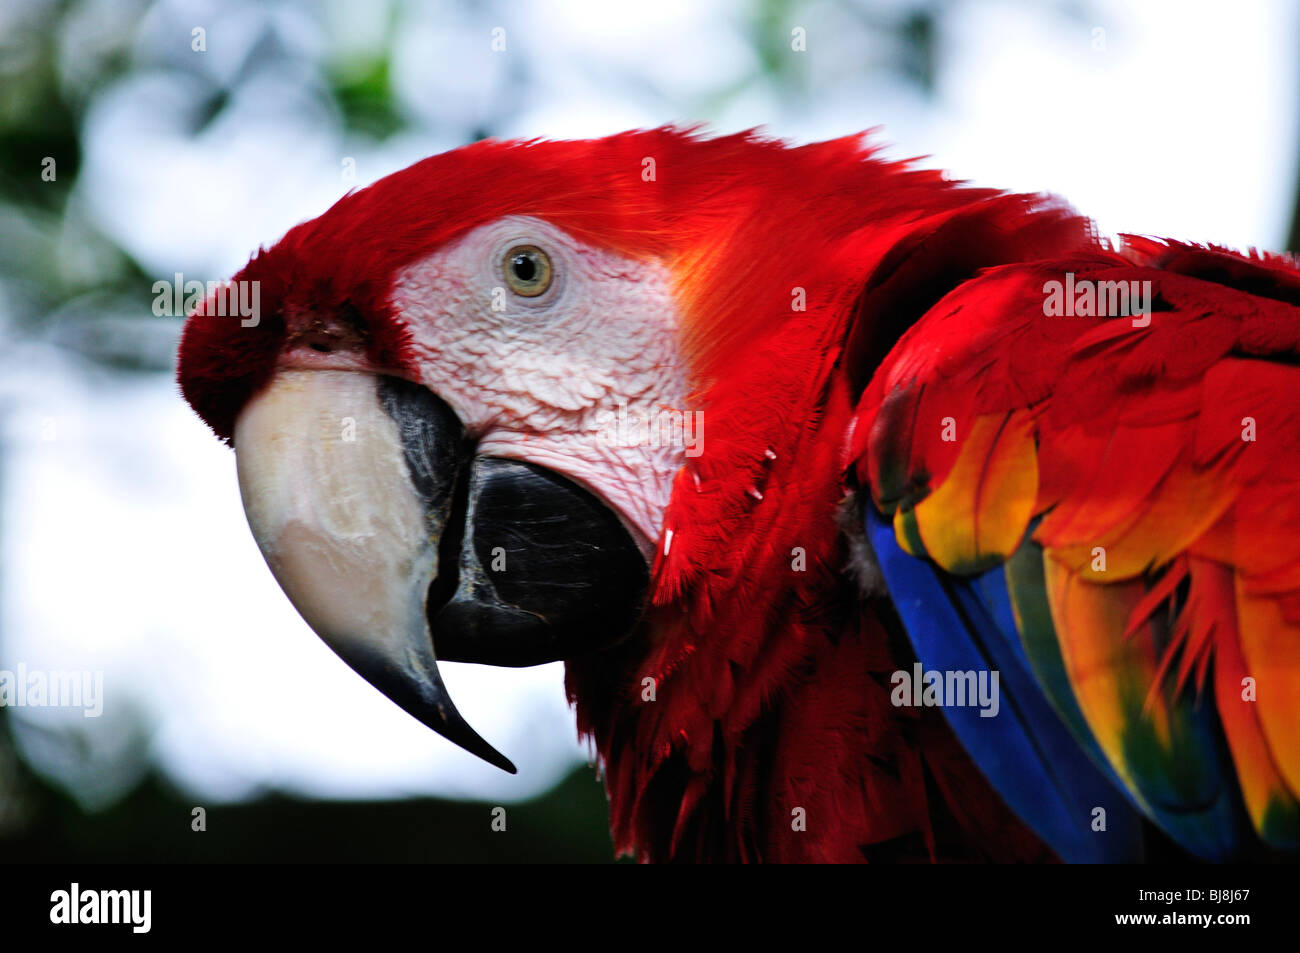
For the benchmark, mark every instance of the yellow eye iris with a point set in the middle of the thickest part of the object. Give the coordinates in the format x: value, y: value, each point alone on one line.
x: 528, y: 270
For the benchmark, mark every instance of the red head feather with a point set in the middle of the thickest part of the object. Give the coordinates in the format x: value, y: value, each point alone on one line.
x: 736, y: 216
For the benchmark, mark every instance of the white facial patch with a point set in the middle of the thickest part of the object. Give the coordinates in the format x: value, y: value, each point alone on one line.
x: 584, y: 379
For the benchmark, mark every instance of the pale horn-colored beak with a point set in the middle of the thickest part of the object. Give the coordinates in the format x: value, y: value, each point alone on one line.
x: 347, y: 480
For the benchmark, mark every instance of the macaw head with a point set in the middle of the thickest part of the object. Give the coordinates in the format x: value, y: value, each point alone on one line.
x: 476, y: 390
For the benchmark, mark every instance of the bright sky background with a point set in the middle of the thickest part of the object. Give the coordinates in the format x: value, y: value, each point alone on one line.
x: 124, y: 543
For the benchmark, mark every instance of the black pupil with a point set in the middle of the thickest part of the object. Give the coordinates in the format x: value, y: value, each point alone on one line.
x: 525, y: 267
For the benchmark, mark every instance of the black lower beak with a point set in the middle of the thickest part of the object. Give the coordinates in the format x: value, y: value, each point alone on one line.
x: 545, y: 571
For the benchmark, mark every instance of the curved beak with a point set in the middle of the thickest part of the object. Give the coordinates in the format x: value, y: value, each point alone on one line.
x: 348, y: 482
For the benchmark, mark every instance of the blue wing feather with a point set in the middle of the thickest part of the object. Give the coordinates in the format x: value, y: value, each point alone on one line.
x: 962, y: 624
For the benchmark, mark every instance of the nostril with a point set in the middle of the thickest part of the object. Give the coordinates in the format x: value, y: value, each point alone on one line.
x: 321, y: 346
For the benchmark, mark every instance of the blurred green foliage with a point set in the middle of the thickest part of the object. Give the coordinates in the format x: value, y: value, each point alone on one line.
x: 155, y: 824
x: 51, y: 256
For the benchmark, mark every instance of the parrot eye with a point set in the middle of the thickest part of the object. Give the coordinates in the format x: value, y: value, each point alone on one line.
x: 528, y: 270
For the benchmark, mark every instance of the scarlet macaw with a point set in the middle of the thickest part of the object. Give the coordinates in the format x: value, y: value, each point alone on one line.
x: 779, y: 448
